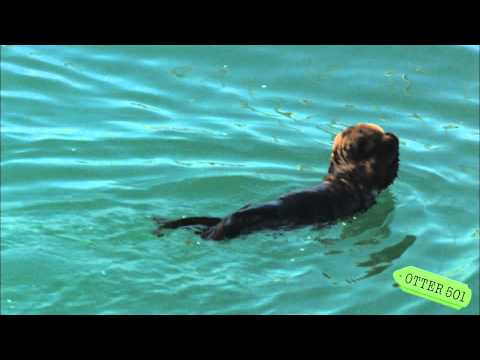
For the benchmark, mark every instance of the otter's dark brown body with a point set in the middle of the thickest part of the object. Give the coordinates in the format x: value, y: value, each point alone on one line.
x: 364, y: 162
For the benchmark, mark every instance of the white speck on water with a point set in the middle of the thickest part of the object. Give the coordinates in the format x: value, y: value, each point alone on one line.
x: 344, y: 223
x: 198, y: 242
x: 292, y: 260
x: 103, y: 272
x: 309, y: 237
x: 225, y: 66
x: 302, y: 249
x: 264, y: 86
x: 74, y: 149
x: 9, y: 301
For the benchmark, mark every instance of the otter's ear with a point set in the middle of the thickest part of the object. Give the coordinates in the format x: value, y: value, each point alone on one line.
x: 337, y: 142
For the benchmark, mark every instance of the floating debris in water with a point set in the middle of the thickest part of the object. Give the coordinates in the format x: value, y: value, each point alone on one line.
x: 450, y: 126
x: 389, y: 73
x: 416, y: 116
x: 430, y: 147
x: 419, y: 69
x: 306, y: 102
x: 333, y: 252
x: 246, y: 105
x: 327, y: 131
x: 326, y: 275
x: 409, y: 83
x: 182, y: 71
x: 288, y: 114
x: 264, y: 86
x: 310, y: 116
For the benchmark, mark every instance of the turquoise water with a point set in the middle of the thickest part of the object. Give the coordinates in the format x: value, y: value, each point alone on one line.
x: 97, y: 139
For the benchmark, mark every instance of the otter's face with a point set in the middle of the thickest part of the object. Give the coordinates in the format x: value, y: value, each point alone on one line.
x: 369, y: 152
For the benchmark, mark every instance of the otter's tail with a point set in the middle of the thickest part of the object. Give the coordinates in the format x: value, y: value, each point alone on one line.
x: 199, y: 220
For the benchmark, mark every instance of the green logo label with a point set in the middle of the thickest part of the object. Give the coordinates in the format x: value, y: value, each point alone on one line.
x: 433, y: 287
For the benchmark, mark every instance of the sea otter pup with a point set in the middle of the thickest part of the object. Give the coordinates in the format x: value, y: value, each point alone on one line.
x: 364, y: 162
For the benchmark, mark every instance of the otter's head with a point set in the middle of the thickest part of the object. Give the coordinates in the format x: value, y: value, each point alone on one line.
x: 365, y: 154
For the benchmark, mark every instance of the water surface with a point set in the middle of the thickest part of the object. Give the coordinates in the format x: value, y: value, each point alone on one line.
x: 97, y: 139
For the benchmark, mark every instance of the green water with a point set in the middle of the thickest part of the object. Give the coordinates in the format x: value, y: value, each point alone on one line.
x: 96, y: 139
